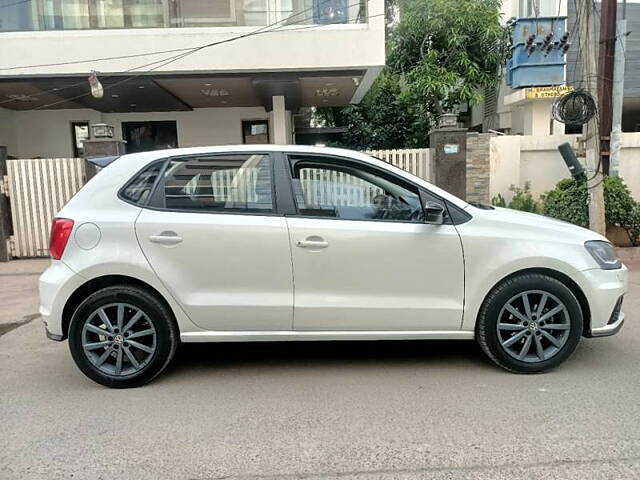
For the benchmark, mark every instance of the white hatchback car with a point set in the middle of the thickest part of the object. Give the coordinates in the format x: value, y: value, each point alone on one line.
x: 270, y: 243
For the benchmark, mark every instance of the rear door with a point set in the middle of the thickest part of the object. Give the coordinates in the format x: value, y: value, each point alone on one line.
x: 214, y: 238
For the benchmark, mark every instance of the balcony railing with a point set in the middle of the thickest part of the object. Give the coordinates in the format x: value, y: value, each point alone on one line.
x: 32, y: 15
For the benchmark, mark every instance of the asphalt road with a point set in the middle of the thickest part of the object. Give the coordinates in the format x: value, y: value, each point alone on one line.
x: 375, y: 410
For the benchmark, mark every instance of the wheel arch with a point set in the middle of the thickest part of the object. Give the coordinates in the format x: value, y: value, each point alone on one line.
x: 561, y: 277
x: 98, y: 283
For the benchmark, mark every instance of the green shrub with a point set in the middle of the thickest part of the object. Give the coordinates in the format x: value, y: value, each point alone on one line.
x: 621, y: 209
x: 633, y: 226
x: 522, y: 199
x: 499, y: 201
x: 568, y: 202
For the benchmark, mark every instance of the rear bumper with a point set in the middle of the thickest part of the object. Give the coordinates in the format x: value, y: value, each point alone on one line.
x: 53, y: 336
x: 56, y: 285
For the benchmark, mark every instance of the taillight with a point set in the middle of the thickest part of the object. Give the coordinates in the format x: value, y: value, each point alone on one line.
x: 60, y: 232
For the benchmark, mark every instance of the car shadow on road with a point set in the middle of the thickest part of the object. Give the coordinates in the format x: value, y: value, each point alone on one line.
x: 328, y: 353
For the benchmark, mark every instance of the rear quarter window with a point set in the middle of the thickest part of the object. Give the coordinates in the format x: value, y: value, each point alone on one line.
x: 139, y: 188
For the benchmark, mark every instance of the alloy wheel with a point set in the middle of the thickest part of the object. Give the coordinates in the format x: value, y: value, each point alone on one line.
x: 533, y: 326
x: 119, y: 339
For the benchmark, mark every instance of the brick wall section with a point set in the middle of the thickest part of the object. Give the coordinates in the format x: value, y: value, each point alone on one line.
x: 478, y: 166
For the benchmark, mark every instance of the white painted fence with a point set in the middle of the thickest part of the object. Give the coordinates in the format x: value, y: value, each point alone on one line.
x: 333, y: 188
x: 38, y: 189
x: 414, y: 161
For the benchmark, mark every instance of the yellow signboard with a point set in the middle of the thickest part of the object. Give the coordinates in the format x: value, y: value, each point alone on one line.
x: 548, y: 92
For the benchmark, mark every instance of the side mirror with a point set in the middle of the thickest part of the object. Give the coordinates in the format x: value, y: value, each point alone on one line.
x: 434, y: 213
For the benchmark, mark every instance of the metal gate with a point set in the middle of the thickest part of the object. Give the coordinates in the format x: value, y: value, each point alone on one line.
x: 37, y: 190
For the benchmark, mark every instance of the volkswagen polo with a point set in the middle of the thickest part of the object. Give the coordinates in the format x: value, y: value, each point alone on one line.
x: 273, y: 243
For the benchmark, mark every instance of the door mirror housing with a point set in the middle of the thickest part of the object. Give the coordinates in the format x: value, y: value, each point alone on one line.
x: 434, y: 213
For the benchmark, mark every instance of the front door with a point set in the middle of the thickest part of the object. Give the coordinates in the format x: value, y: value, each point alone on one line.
x: 214, y: 239
x: 363, y: 258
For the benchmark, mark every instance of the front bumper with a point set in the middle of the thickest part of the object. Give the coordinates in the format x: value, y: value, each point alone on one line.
x: 608, y: 330
x: 603, y: 290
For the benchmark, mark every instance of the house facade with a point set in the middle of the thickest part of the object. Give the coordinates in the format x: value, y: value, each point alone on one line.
x: 178, y: 72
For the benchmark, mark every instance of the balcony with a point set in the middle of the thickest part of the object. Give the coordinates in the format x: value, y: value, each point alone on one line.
x: 51, y: 15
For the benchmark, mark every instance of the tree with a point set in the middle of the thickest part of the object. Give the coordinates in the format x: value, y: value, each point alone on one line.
x: 441, y: 53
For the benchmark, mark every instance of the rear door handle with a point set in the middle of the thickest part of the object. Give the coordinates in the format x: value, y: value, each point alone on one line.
x: 166, y: 238
x: 312, y: 243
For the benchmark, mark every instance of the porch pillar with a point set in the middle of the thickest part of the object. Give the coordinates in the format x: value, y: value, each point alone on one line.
x: 448, y: 152
x: 279, y: 121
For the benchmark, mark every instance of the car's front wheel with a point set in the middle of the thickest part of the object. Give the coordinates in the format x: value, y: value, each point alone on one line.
x: 529, y: 323
x: 122, y: 336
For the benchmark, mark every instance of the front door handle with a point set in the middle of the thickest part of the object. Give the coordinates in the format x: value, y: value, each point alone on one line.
x: 313, y: 243
x: 166, y: 238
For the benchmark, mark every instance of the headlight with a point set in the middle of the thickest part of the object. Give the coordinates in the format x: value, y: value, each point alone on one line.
x: 603, y: 253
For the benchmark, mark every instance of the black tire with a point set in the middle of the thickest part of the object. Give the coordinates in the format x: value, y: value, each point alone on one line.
x: 165, y: 342
x: 487, y: 325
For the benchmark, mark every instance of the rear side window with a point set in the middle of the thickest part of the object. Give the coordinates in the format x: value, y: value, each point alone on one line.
x: 220, y: 183
x: 139, y: 189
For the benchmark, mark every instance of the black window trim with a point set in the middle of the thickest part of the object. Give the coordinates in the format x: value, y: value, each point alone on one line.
x: 154, y: 199
x: 340, y: 161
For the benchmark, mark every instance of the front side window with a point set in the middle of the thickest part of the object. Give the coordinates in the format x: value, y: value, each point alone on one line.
x: 333, y: 191
x: 234, y: 183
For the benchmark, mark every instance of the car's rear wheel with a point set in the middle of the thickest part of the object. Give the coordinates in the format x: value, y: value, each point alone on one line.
x: 529, y: 323
x: 122, y: 336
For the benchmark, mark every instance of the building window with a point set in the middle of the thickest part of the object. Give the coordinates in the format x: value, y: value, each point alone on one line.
x: 146, y: 136
x: 85, y: 14
x: 255, y: 131
x: 79, y: 133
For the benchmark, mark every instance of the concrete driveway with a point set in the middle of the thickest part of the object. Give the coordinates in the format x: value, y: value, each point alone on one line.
x: 376, y: 410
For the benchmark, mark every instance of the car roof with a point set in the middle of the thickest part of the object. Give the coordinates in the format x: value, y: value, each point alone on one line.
x: 173, y: 152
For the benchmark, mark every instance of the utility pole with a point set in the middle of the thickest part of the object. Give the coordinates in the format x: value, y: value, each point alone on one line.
x: 590, y: 134
x: 607, y: 51
x: 618, y: 94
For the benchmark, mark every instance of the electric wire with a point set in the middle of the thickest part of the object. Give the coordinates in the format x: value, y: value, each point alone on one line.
x: 175, y: 50
x: 167, y: 60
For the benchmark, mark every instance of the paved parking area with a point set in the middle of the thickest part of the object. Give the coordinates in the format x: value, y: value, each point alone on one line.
x: 19, y: 292
x: 374, y: 410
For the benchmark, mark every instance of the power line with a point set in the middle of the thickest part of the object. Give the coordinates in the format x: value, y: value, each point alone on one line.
x: 262, y: 30
x: 160, y: 65
x: 186, y: 50
x: 175, y: 50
